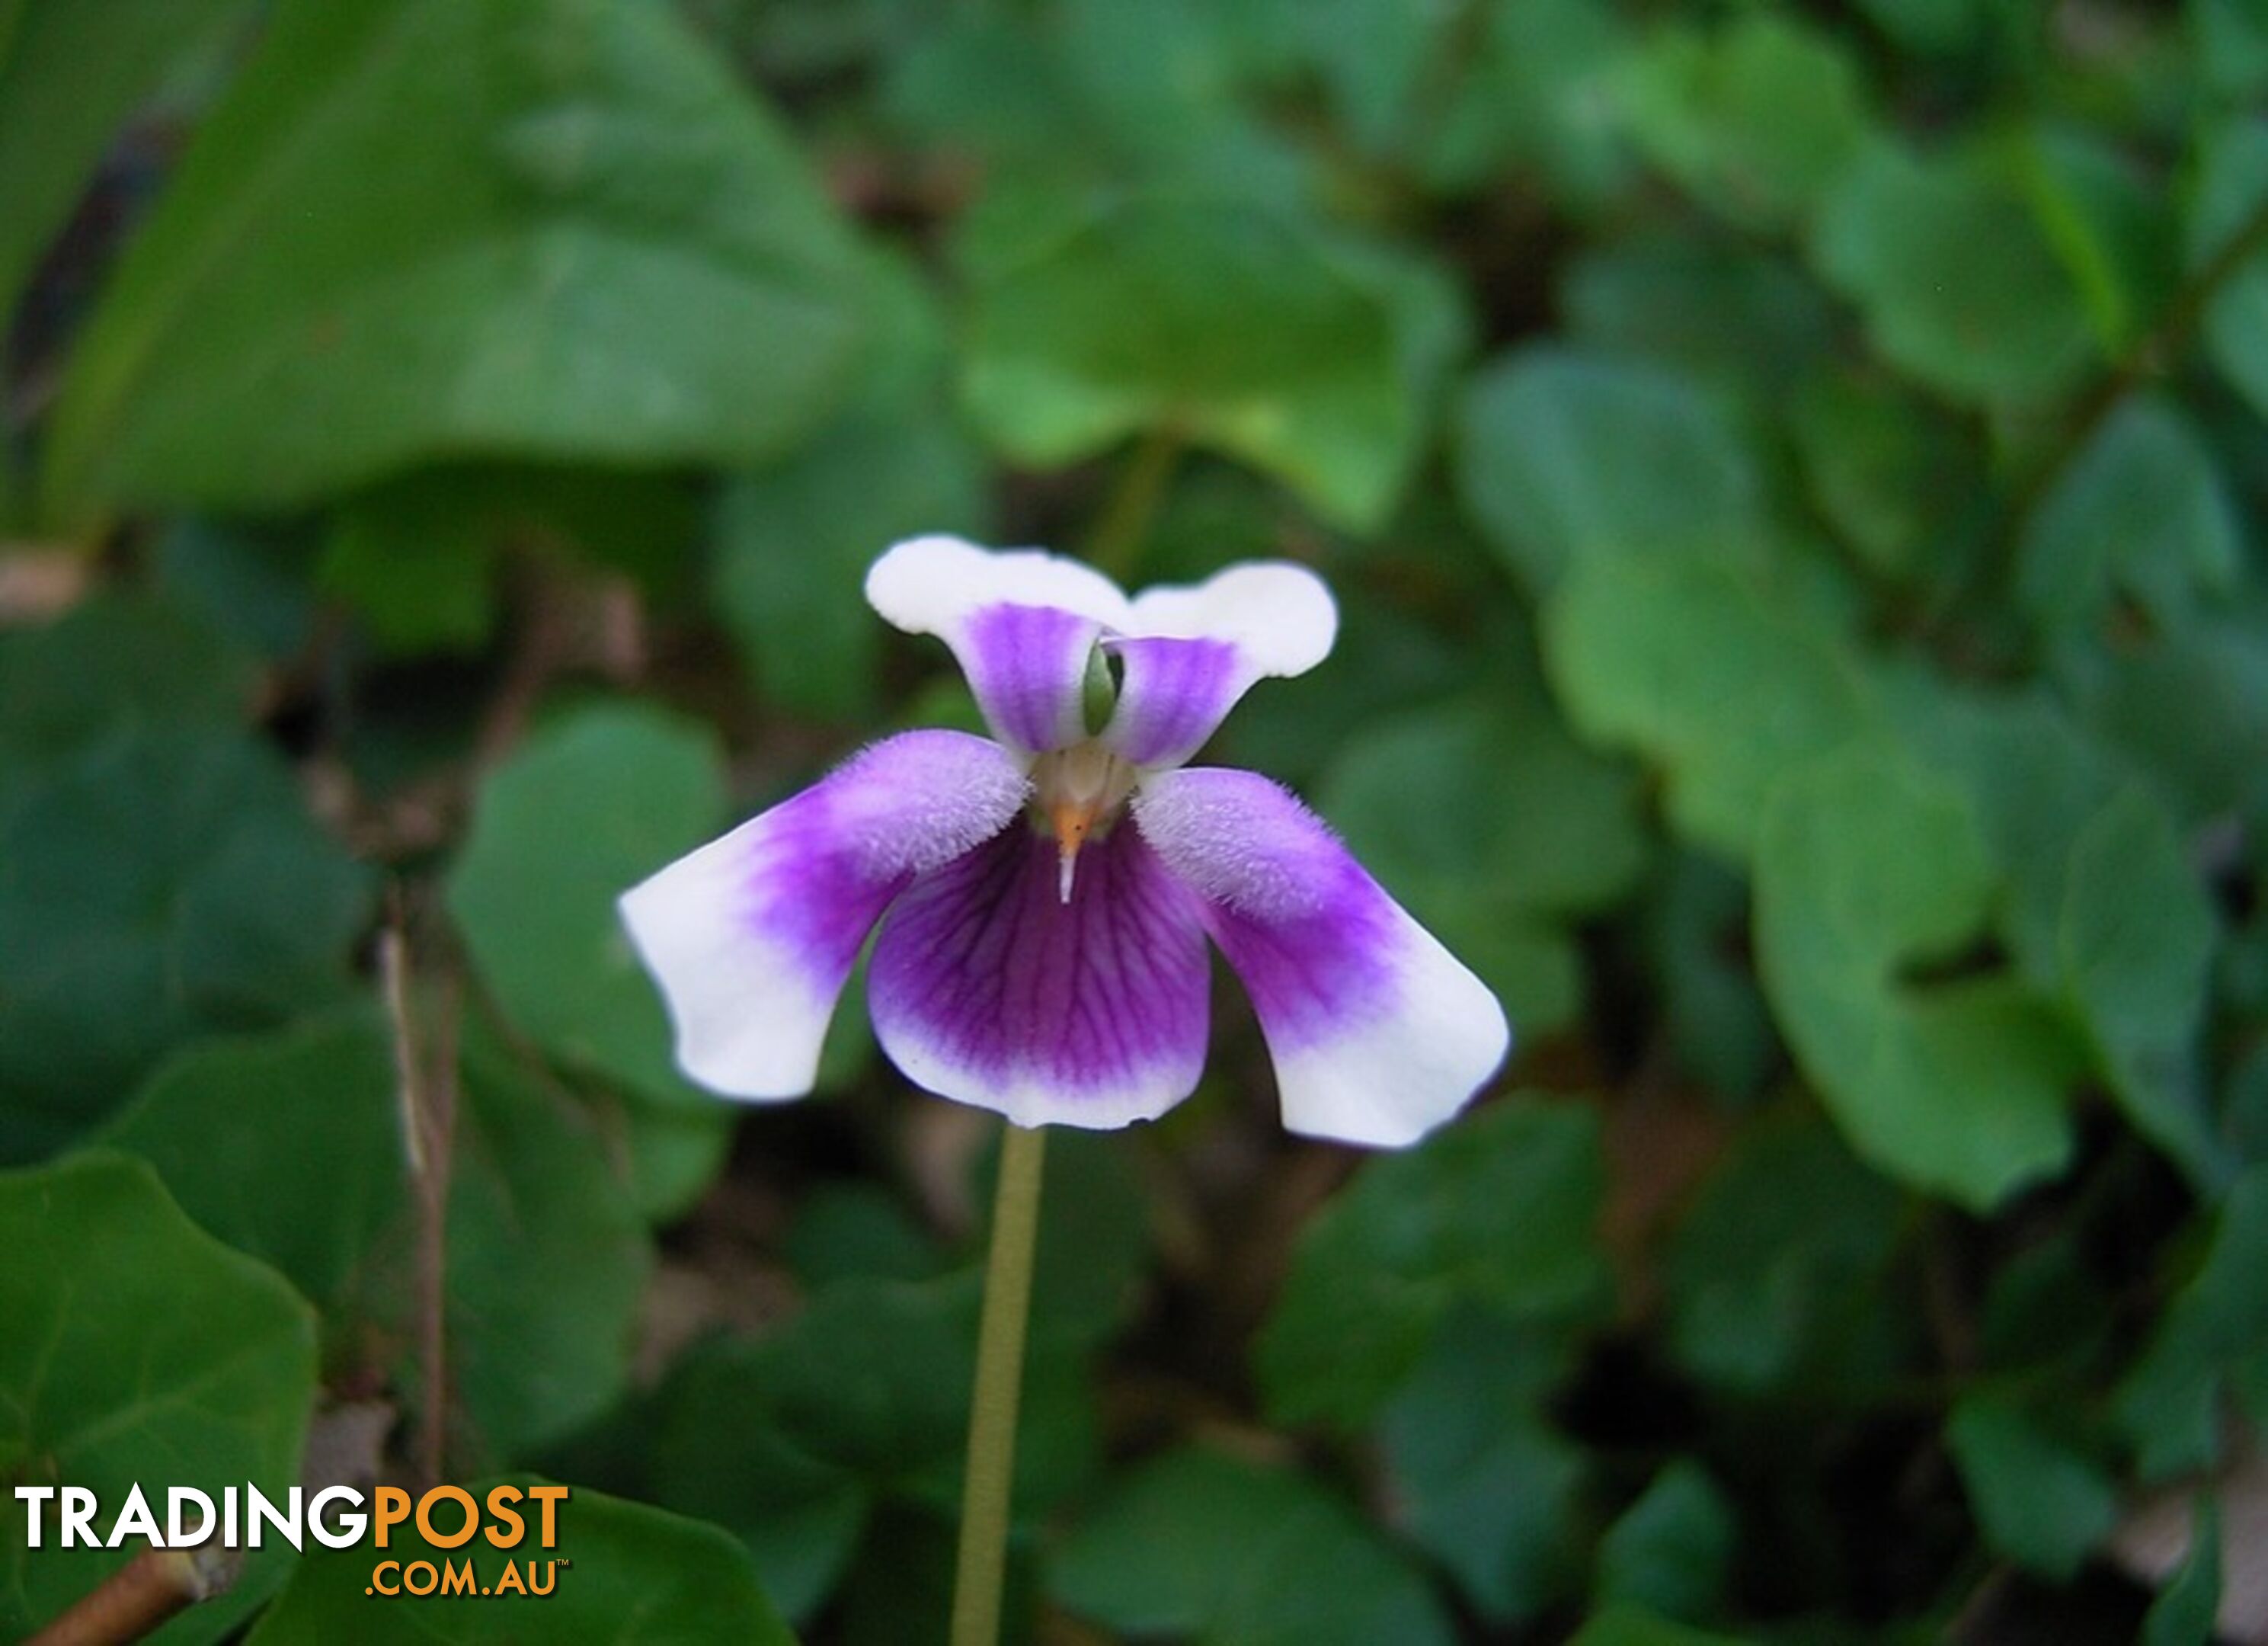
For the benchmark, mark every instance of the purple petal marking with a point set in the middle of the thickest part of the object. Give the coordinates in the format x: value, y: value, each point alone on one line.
x: 1378, y: 1033
x: 989, y: 989
x: 1027, y: 668
x: 752, y: 935
x: 1171, y: 695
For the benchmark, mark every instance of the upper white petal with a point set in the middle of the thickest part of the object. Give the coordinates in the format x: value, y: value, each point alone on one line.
x: 1279, y: 615
x: 930, y: 585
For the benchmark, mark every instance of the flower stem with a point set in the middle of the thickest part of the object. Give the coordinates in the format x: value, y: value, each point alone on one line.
x: 989, y: 1484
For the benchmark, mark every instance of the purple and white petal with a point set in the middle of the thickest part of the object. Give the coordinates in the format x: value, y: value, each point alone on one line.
x: 1021, y: 623
x: 1379, y: 1034
x: 988, y: 988
x: 1194, y: 651
x: 1280, y: 614
x: 752, y: 935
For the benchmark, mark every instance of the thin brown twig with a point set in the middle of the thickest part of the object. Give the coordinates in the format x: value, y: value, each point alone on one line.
x: 426, y: 1078
x: 132, y: 1601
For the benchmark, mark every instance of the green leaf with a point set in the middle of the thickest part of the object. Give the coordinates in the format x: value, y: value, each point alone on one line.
x: 2231, y: 50
x: 1094, y: 1242
x: 1234, y: 1553
x: 1563, y: 456
x: 139, y: 1351
x: 71, y: 72
x: 849, y: 1230
x: 1697, y: 933
x: 2102, y: 911
x: 1776, y: 1271
x: 247, y: 579
x: 638, y: 1577
x: 874, y: 1377
x: 415, y: 566
x: 1958, y: 283
x: 1321, y: 1577
x: 793, y: 540
x: 2175, y: 704
x: 1481, y: 1481
x: 1931, y: 27
x: 2109, y: 224
x: 1669, y: 1550
x: 1386, y: 660
x: 588, y: 805
x: 1529, y: 98
x: 113, y: 664
x: 1716, y: 676
x: 425, y: 228
x: 2216, y: 1330
x: 1633, y: 1625
x: 2231, y: 200
x: 2137, y: 940
x: 417, y: 555
x: 1371, y: 56
x: 2139, y: 514
x: 287, y: 1146
x: 1437, y: 803
x: 1729, y: 315
x: 1865, y: 868
x: 2038, y: 1500
x: 2045, y: 1307
x: 1498, y: 1211
x: 675, y: 1152
x: 167, y: 884
x: 793, y: 543
x: 1755, y: 120
x: 716, y: 1455
x: 533, y: 1197
x: 1230, y: 325
x: 2185, y: 1611
x: 1891, y: 472
x: 1161, y: 1553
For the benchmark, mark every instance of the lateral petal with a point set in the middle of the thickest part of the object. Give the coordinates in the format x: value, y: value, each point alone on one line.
x: 1378, y: 1033
x: 753, y: 936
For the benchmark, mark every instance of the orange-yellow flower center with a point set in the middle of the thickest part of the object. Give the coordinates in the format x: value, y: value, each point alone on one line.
x: 1079, y: 792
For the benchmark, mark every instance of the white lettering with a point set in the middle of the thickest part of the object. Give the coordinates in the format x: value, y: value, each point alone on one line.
x: 33, y: 1498
x: 177, y: 1499
x: 257, y: 1508
x: 228, y: 1517
x: 351, y: 1526
x: 78, y: 1519
x: 134, y: 1520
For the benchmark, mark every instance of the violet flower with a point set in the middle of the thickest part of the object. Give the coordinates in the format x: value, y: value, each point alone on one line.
x: 1044, y: 899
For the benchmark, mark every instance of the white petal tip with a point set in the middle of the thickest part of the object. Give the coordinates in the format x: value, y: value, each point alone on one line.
x: 745, y: 1027
x: 1387, y: 1084
x: 1277, y: 613
x: 927, y: 585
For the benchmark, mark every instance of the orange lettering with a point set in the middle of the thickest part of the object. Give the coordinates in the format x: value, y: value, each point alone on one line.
x: 448, y: 1494
x: 391, y: 1508
x: 500, y: 1500
x: 550, y: 1497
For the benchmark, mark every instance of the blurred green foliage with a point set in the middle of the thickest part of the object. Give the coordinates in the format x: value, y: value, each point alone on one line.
x: 1795, y: 476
